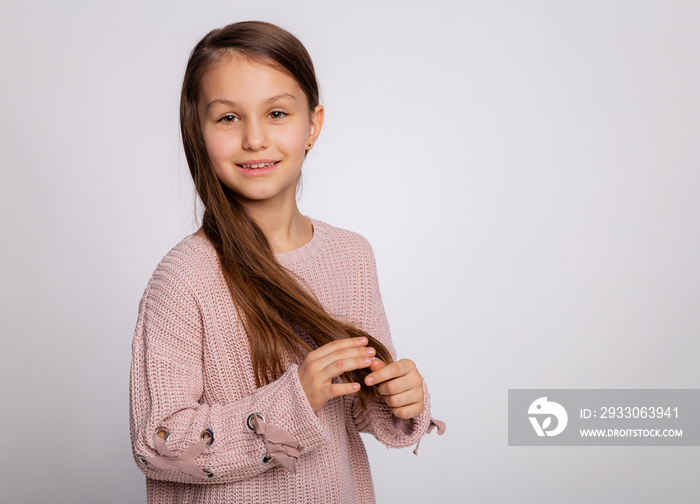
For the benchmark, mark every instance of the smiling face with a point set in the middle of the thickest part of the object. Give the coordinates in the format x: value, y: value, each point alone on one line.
x: 256, y: 123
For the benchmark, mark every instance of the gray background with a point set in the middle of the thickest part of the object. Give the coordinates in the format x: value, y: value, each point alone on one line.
x: 526, y: 171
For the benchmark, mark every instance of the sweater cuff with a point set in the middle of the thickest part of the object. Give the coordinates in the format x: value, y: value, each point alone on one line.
x: 296, y: 416
x: 417, y: 426
x: 424, y: 423
x: 390, y: 430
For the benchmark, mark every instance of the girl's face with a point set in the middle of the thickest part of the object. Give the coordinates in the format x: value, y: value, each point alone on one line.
x: 256, y: 125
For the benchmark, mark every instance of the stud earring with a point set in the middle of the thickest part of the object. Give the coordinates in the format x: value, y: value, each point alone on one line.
x: 308, y: 145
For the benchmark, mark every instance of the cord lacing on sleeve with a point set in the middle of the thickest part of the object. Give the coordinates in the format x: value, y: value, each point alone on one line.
x: 280, y: 444
x: 169, y: 461
x: 440, y: 425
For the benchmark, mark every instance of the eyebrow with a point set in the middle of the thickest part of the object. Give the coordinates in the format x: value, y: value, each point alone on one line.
x: 265, y: 102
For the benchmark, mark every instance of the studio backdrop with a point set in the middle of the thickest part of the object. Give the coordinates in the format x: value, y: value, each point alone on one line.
x: 527, y: 172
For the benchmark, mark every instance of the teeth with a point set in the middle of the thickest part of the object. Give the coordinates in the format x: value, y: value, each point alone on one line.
x: 256, y: 166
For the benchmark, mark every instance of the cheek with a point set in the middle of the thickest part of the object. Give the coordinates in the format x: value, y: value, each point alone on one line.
x: 295, y: 140
x: 216, y: 146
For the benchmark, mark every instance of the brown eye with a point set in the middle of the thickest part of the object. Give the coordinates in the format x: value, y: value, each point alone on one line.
x: 277, y: 114
x: 228, y: 119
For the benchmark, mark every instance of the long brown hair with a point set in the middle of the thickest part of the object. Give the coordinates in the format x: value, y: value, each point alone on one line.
x: 272, y: 303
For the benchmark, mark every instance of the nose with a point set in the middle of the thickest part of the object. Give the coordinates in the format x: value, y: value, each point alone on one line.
x: 254, y: 135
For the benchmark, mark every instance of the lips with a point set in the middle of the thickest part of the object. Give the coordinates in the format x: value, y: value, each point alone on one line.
x: 256, y: 166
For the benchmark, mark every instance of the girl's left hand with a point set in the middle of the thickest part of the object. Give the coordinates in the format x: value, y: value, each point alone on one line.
x: 401, y: 386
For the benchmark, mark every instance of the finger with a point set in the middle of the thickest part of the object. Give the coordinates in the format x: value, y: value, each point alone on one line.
x: 324, y: 369
x: 339, y: 389
x: 358, y: 352
x: 412, y: 396
x: 377, y: 364
x: 408, y: 412
x: 400, y: 384
x: 391, y: 371
x: 333, y: 346
x: 340, y: 366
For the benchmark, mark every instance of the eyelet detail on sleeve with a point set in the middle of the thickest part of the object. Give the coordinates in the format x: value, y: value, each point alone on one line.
x: 249, y: 420
x: 209, y: 473
x: 203, y: 435
x: 142, y: 460
x: 279, y: 444
x: 163, y: 429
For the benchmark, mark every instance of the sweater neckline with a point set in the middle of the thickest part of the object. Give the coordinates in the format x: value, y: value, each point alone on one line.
x: 307, y: 251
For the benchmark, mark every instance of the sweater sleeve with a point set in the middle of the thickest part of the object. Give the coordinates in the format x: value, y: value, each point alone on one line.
x: 378, y: 419
x: 205, y: 443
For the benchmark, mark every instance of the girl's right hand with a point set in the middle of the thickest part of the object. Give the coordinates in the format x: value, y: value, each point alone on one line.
x: 321, y: 366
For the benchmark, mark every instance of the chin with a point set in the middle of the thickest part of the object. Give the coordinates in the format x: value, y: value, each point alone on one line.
x: 259, y: 197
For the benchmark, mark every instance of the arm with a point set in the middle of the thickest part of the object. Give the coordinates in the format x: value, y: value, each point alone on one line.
x: 378, y: 418
x: 167, y: 387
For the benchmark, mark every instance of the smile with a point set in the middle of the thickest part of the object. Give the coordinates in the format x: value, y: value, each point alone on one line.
x: 258, y: 169
x: 256, y: 166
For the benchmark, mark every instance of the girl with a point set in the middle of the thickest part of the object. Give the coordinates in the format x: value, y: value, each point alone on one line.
x: 262, y: 348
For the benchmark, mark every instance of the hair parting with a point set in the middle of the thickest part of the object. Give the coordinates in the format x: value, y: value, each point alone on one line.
x: 274, y: 306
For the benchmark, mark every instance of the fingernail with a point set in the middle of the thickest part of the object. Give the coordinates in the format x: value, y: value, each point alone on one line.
x: 367, y: 360
x: 363, y: 340
x: 356, y: 386
x: 370, y: 350
x: 369, y: 380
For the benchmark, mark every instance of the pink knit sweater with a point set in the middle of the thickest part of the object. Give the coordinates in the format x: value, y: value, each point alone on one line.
x: 192, y: 374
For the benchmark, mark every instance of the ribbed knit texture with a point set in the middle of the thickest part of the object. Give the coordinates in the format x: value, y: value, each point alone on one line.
x: 192, y: 371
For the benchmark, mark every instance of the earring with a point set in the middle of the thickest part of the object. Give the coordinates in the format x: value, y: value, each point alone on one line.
x: 308, y: 145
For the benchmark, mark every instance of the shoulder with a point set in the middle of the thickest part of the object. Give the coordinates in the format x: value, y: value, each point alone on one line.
x: 172, y: 310
x: 186, y: 268
x: 345, y: 242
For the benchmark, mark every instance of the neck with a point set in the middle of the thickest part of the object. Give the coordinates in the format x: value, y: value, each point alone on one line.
x: 280, y: 219
x: 286, y: 228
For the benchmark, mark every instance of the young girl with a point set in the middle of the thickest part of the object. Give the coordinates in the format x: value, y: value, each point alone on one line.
x: 262, y: 349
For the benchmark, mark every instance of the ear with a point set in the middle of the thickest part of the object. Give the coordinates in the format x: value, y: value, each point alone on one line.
x: 315, y: 124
